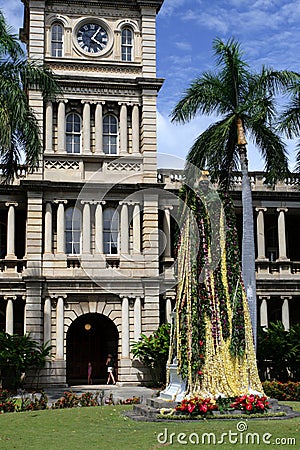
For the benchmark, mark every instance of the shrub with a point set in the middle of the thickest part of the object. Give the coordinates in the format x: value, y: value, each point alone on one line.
x: 153, y: 351
x: 131, y: 401
x: 34, y: 403
x: 68, y: 400
x: 282, y: 391
x: 88, y: 399
x: 18, y: 354
x: 278, y: 352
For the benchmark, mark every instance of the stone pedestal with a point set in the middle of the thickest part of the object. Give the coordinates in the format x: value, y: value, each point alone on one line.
x: 175, y: 391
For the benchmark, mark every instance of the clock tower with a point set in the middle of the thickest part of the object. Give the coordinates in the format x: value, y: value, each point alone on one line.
x: 93, y: 282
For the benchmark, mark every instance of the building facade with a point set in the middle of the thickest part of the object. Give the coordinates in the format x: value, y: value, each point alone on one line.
x: 86, y: 240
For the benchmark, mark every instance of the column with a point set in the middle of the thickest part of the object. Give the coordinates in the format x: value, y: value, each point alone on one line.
x: 49, y: 128
x: 281, y: 234
x: 264, y: 311
x: 123, y: 129
x: 48, y: 228
x: 99, y: 128
x: 9, y: 321
x: 47, y: 320
x: 60, y: 328
x: 11, y: 230
x: 285, y: 312
x: 167, y: 231
x: 86, y: 227
x: 86, y: 128
x: 136, y: 224
x: 61, y: 127
x: 137, y: 318
x: 261, y: 249
x: 99, y: 228
x: 124, y: 229
x: 168, y: 309
x: 135, y: 130
x: 125, y: 327
x: 60, y: 225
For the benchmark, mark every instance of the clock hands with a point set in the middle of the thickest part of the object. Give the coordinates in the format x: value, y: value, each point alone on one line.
x: 93, y: 38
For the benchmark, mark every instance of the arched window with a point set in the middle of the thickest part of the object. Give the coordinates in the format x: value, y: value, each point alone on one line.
x: 57, y: 40
x: 126, y: 44
x: 73, y: 227
x: 110, y: 135
x: 73, y: 133
x: 110, y: 231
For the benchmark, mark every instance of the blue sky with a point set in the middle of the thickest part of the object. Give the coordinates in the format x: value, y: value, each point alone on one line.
x: 269, y: 33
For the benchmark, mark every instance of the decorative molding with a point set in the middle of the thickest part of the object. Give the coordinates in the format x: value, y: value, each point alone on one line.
x: 64, y: 165
x: 92, y: 9
x: 87, y: 67
x: 128, y: 167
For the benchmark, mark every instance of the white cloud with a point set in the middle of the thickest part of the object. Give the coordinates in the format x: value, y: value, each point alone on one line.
x: 185, y: 46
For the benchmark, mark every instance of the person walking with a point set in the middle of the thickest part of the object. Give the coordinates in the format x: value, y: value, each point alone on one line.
x: 90, y: 369
x: 110, y: 368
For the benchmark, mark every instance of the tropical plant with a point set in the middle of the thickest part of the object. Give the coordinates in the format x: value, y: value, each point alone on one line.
x: 289, y: 120
x: 279, y: 351
x: 18, y: 354
x: 244, y: 100
x: 19, y: 126
x: 251, y: 404
x: 153, y: 351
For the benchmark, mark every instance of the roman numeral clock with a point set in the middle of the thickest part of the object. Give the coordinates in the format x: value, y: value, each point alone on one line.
x: 92, y: 37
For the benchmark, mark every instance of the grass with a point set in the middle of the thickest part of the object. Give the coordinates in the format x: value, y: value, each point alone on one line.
x: 107, y: 428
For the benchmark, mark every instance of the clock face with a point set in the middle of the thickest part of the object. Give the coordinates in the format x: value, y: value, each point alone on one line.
x: 92, y: 37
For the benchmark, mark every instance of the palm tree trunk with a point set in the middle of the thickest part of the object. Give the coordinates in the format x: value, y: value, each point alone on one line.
x: 248, y: 248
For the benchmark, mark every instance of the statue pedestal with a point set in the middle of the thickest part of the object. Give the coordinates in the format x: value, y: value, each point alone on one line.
x: 176, y: 389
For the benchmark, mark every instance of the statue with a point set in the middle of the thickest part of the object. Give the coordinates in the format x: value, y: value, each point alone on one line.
x: 212, y: 343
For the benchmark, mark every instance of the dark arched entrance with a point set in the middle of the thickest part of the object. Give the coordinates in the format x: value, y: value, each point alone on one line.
x: 89, y: 339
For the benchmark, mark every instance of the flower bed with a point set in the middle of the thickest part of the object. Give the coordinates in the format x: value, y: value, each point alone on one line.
x: 199, y: 407
x: 282, y: 391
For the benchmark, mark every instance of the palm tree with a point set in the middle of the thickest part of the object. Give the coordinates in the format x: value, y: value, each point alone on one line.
x: 289, y: 120
x: 19, y: 127
x: 245, y: 102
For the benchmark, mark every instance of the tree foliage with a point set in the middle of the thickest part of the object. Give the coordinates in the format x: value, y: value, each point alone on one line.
x: 279, y: 350
x: 20, y: 131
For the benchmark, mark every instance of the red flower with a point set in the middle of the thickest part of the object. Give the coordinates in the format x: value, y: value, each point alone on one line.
x: 249, y: 407
x: 191, y: 408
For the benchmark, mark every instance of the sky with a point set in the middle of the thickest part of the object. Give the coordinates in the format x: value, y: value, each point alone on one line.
x: 269, y: 34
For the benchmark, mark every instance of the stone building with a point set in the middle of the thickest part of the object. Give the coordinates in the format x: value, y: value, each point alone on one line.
x: 86, y: 240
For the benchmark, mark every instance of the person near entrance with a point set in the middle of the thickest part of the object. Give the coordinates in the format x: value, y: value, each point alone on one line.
x: 90, y: 369
x: 110, y: 368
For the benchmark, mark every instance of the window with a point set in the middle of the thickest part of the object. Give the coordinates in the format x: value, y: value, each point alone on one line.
x: 56, y: 40
x: 73, y: 231
x: 126, y: 44
x: 110, y: 135
x: 73, y: 133
x: 110, y: 231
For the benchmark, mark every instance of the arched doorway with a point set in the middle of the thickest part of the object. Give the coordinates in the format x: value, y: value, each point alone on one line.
x: 89, y: 339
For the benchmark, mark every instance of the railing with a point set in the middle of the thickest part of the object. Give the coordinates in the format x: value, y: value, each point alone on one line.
x: 22, y: 170
x: 15, y: 265
x: 257, y: 180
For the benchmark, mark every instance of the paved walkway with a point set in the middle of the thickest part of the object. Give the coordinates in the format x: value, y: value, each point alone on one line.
x: 118, y: 392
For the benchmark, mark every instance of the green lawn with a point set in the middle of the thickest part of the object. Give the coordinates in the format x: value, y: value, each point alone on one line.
x: 106, y: 428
